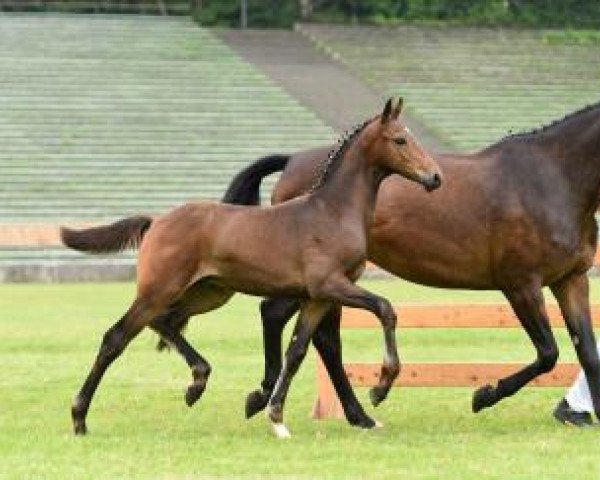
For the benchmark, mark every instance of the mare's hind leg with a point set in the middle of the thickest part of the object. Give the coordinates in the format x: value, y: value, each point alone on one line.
x: 114, y: 342
x: 311, y: 314
x: 572, y: 294
x: 528, y: 304
x: 274, y: 313
x: 203, y: 296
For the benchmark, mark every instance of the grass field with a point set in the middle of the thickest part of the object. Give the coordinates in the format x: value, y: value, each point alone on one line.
x: 141, y: 428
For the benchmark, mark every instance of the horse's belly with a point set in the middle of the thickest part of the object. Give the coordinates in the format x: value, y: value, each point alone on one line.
x: 437, y: 273
x: 427, y: 263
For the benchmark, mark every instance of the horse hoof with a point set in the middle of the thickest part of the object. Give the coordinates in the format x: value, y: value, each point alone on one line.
x: 482, y: 398
x: 193, y: 393
x: 162, y: 346
x: 281, y: 431
x: 377, y: 395
x: 255, y: 402
x: 362, y: 421
x: 80, y: 428
x: 378, y: 424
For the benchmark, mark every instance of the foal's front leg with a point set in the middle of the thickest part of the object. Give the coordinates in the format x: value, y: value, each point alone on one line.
x: 345, y: 292
x: 311, y: 314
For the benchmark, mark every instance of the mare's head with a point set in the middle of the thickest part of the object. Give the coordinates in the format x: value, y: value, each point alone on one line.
x: 392, y: 147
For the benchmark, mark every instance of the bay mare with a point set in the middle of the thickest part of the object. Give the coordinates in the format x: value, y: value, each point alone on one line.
x: 515, y: 217
x: 194, y: 258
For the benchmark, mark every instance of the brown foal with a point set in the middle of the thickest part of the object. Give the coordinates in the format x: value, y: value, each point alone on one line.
x: 194, y: 258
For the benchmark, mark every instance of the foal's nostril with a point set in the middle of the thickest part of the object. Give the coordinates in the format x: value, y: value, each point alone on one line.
x: 433, y: 182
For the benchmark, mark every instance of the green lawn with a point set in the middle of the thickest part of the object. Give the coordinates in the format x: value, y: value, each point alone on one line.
x: 141, y: 428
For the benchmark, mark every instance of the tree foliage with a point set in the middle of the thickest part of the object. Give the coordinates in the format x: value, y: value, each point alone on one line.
x: 283, y: 13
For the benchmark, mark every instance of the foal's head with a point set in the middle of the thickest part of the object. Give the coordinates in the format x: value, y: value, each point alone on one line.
x: 392, y: 147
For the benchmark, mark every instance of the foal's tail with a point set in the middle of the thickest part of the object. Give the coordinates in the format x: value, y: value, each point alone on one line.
x: 118, y: 236
x: 244, y: 189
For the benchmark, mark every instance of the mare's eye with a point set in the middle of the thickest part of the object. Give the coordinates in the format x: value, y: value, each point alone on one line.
x: 400, y: 141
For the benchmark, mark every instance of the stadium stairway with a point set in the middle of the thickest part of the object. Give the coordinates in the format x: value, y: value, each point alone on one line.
x: 326, y: 87
x: 471, y: 86
x: 107, y: 116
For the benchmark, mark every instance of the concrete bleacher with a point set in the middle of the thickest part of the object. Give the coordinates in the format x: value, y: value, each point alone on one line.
x: 470, y: 86
x: 107, y: 116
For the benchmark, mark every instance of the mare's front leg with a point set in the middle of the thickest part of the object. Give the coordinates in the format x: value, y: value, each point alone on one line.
x: 345, y: 292
x: 572, y: 294
x: 328, y: 343
x: 311, y: 314
x: 274, y: 314
x: 528, y: 304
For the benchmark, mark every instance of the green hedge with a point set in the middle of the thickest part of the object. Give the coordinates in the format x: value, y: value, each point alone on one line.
x: 283, y: 13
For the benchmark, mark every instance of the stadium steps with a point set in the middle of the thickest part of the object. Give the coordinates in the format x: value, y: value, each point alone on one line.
x: 107, y: 116
x: 470, y: 86
x: 333, y: 92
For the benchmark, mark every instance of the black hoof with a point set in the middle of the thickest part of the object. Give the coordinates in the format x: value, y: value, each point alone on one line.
x: 193, y: 393
x: 162, y: 345
x: 365, y: 422
x: 483, y: 397
x: 80, y: 428
x: 255, y: 402
x: 377, y: 395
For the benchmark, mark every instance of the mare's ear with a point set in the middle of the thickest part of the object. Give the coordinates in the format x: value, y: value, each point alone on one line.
x: 387, y: 110
x: 397, y: 108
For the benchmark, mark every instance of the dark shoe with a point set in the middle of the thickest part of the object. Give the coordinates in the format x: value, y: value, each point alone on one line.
x: 567, y: 416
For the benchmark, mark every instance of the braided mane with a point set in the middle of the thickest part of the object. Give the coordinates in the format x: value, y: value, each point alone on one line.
x: 334, y: 159
x: 555, y: 123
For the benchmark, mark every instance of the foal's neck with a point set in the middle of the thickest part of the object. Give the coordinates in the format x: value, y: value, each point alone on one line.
x: 352, y: 189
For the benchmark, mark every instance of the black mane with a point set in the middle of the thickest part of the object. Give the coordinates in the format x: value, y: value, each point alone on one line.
x: 555, y: 123
x: 334, y: 159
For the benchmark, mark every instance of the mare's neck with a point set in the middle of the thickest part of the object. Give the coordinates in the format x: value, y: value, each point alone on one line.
x: 576, y: 143
x: 352, y: 189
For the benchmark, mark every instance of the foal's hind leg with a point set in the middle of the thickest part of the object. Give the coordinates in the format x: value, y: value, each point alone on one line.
x: 200, y: 367
x: 572, y: 294
x: 528, y: 304
x: 114, y: 342
x: 203, y: 296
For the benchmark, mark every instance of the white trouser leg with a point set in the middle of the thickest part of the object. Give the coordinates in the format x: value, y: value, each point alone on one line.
x: 578, y: 396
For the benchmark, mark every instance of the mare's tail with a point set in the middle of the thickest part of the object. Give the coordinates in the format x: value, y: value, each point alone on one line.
x: 244, y: 189
x: 118, y: 236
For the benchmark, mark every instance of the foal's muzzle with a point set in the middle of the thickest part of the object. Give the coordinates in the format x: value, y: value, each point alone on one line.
x: 432, y: 182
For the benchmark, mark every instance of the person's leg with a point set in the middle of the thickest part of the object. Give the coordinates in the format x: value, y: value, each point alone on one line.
x: 576, y: 408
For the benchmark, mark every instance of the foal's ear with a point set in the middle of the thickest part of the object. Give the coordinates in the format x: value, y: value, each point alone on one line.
x: 387, y: 110
x: 397, y: 108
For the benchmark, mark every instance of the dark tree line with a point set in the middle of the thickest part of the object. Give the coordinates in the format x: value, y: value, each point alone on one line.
x: 283, y: 13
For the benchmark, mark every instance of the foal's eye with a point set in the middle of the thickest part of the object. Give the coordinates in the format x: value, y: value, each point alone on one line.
x: 400, y: 141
